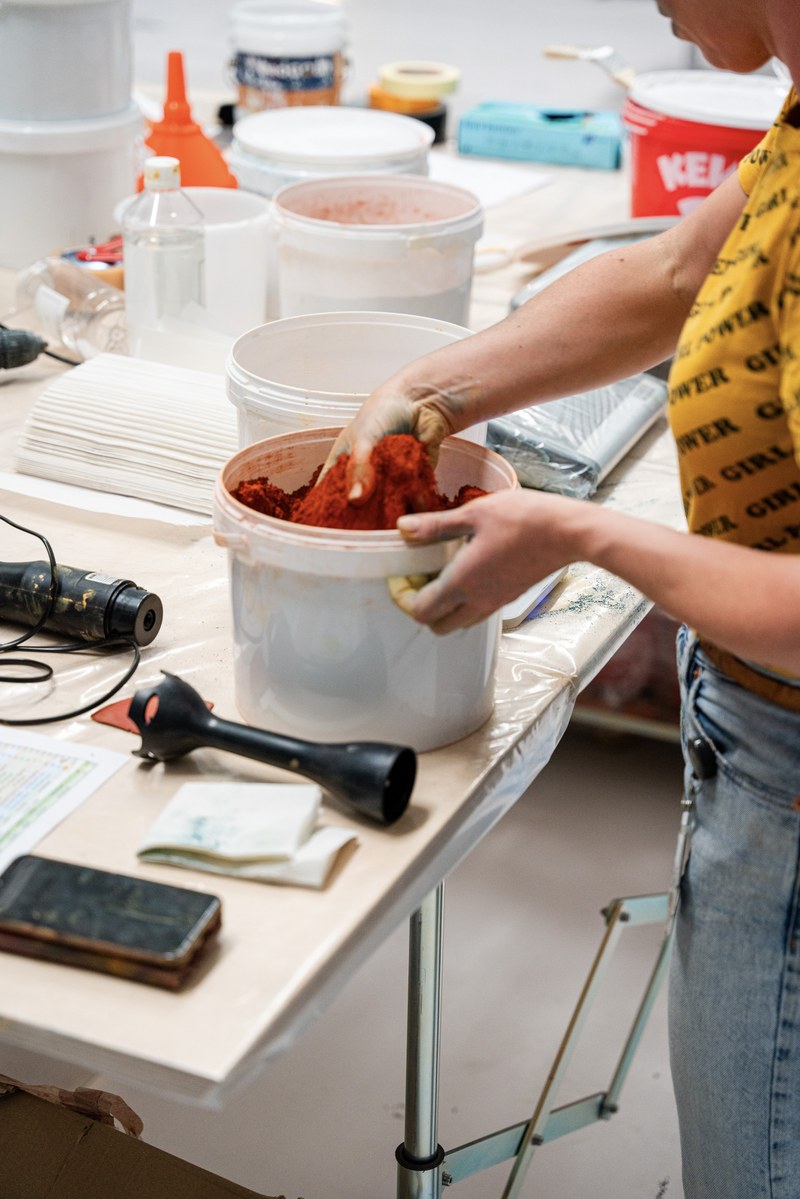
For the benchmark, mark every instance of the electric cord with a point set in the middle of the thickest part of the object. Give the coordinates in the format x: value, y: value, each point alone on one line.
x: 18, y: 347
x: 45, y: 670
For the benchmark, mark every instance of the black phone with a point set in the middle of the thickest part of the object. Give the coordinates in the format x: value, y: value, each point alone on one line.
x: 151, y: 932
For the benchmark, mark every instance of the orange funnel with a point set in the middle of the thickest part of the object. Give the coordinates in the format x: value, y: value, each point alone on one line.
x: 178, y: 136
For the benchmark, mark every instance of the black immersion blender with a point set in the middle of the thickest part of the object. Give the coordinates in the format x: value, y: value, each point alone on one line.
x: 88, y: 604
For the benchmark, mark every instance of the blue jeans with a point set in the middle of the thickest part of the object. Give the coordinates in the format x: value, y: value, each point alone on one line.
x: 735, y: 975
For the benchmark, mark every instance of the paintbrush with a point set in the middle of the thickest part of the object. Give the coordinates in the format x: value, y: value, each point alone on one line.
x: 606, y: 57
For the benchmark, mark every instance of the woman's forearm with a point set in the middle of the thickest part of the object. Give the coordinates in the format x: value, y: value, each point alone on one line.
x: 609, y: 318
x: 744, y: 600
x: 741, y: 599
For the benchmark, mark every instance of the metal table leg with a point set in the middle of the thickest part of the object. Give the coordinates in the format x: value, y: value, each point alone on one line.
x: 420, y: 1156
x: 424, y: 1168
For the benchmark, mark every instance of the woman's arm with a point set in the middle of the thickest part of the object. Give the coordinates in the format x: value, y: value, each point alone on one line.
x: 615, y: 315
x: 743, y: 600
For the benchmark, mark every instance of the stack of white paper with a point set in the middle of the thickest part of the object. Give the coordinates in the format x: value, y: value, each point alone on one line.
x: 132, y: 427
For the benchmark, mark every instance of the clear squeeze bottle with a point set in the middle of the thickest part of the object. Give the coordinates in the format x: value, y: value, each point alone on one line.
x: 164, y: 252
x: 73, y: 306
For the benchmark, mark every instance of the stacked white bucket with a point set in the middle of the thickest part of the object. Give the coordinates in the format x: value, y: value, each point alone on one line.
x: 69, y: 128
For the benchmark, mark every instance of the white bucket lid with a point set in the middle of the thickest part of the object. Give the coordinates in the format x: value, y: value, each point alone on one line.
x: 330, y: 135
x: 280, y: 25
x: 711, y: 97
x: 69, y: 137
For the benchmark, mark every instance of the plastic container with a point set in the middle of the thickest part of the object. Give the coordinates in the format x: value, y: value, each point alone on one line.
x: 287, y: 53
x: 321, y: 651
x: 387, y: 244
x: 238, y: 249
x: 273, y: 149
x: 310, y: 371
x: 688, y: 130
x: 164, y: 253
x: 61, y: 180
x: 64, y: 59
x: 74, y: 306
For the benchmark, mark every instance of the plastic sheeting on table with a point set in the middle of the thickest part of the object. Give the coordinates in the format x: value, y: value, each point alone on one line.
x: 285, y: 952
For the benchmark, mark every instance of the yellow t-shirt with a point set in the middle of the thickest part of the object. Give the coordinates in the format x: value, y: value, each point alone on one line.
x: 734, y: 388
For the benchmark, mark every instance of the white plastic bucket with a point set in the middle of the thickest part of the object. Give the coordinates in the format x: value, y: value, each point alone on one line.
x: 288, y: 53
x: 61, y: 180
x: 321, y: 651
x: 305, y: 372
x: 367, y: 243
x: 64, y: 59
x: 238, y: 244
x: 272, y: 149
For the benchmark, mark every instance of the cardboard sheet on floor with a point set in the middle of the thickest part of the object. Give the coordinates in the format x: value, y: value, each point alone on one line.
x: 49, y: 1152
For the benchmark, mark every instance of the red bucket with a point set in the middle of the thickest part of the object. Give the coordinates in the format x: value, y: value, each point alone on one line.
x: 687, y: 130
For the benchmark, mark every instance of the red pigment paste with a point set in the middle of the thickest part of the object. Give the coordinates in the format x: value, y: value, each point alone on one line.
x: 404, y: 482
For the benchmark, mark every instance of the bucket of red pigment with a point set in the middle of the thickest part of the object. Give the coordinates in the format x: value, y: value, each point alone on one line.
x: 688, y: 130
x: 321, y: 650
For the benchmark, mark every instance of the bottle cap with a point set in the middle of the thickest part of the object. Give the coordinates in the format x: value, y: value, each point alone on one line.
x: 162, y: 174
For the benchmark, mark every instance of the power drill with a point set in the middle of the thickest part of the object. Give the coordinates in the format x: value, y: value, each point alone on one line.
x: 88, y: 605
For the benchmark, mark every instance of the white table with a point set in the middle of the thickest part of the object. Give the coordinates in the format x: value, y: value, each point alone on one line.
x: 284, y: 952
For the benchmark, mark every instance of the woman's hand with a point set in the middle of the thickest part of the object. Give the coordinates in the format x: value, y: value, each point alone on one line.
x: 429, y: 413
x: 515, y: 538
x: 729, y: 593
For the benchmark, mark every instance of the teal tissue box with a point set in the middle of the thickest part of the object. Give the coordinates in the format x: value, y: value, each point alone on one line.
x: 558, y: 135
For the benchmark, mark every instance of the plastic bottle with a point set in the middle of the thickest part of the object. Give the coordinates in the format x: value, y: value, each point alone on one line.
x: 164, y: 256
x: 73, y: 306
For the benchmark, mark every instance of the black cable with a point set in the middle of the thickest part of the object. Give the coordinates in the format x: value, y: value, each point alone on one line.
x: 83, y: 647
x: 45, y: 671
x: 70, y: 648
x: 53, y: 592
x: 61, y: 358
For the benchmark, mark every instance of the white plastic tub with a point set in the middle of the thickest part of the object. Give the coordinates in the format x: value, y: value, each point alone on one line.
x: 304, y: 372
x: 395, y: 243
x: 321, y: 651
x: 287, y: 145
x: 238, y: 244
x: 64, y: 59
x: 61, y: 181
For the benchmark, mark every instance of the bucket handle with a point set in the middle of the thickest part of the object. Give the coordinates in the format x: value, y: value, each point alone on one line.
x: 230, y: 541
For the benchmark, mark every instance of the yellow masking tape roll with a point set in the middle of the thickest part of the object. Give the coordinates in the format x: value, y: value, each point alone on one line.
x: 417, y: 80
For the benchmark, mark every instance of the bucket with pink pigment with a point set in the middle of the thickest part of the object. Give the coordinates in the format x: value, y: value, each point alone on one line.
x: 391, y: 243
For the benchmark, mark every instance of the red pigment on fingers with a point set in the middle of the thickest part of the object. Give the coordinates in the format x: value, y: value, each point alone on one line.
x: 404, y: 483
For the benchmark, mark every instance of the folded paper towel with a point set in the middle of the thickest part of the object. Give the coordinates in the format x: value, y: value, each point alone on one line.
x: 261, y: 831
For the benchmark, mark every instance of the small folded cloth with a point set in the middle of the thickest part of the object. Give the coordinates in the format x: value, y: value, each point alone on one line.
x: 261, y: 831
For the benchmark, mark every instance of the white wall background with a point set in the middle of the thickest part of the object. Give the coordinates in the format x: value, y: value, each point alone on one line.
x: 497, y: 44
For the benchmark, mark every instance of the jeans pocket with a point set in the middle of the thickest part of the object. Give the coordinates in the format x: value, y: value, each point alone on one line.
x: 694, y: 725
